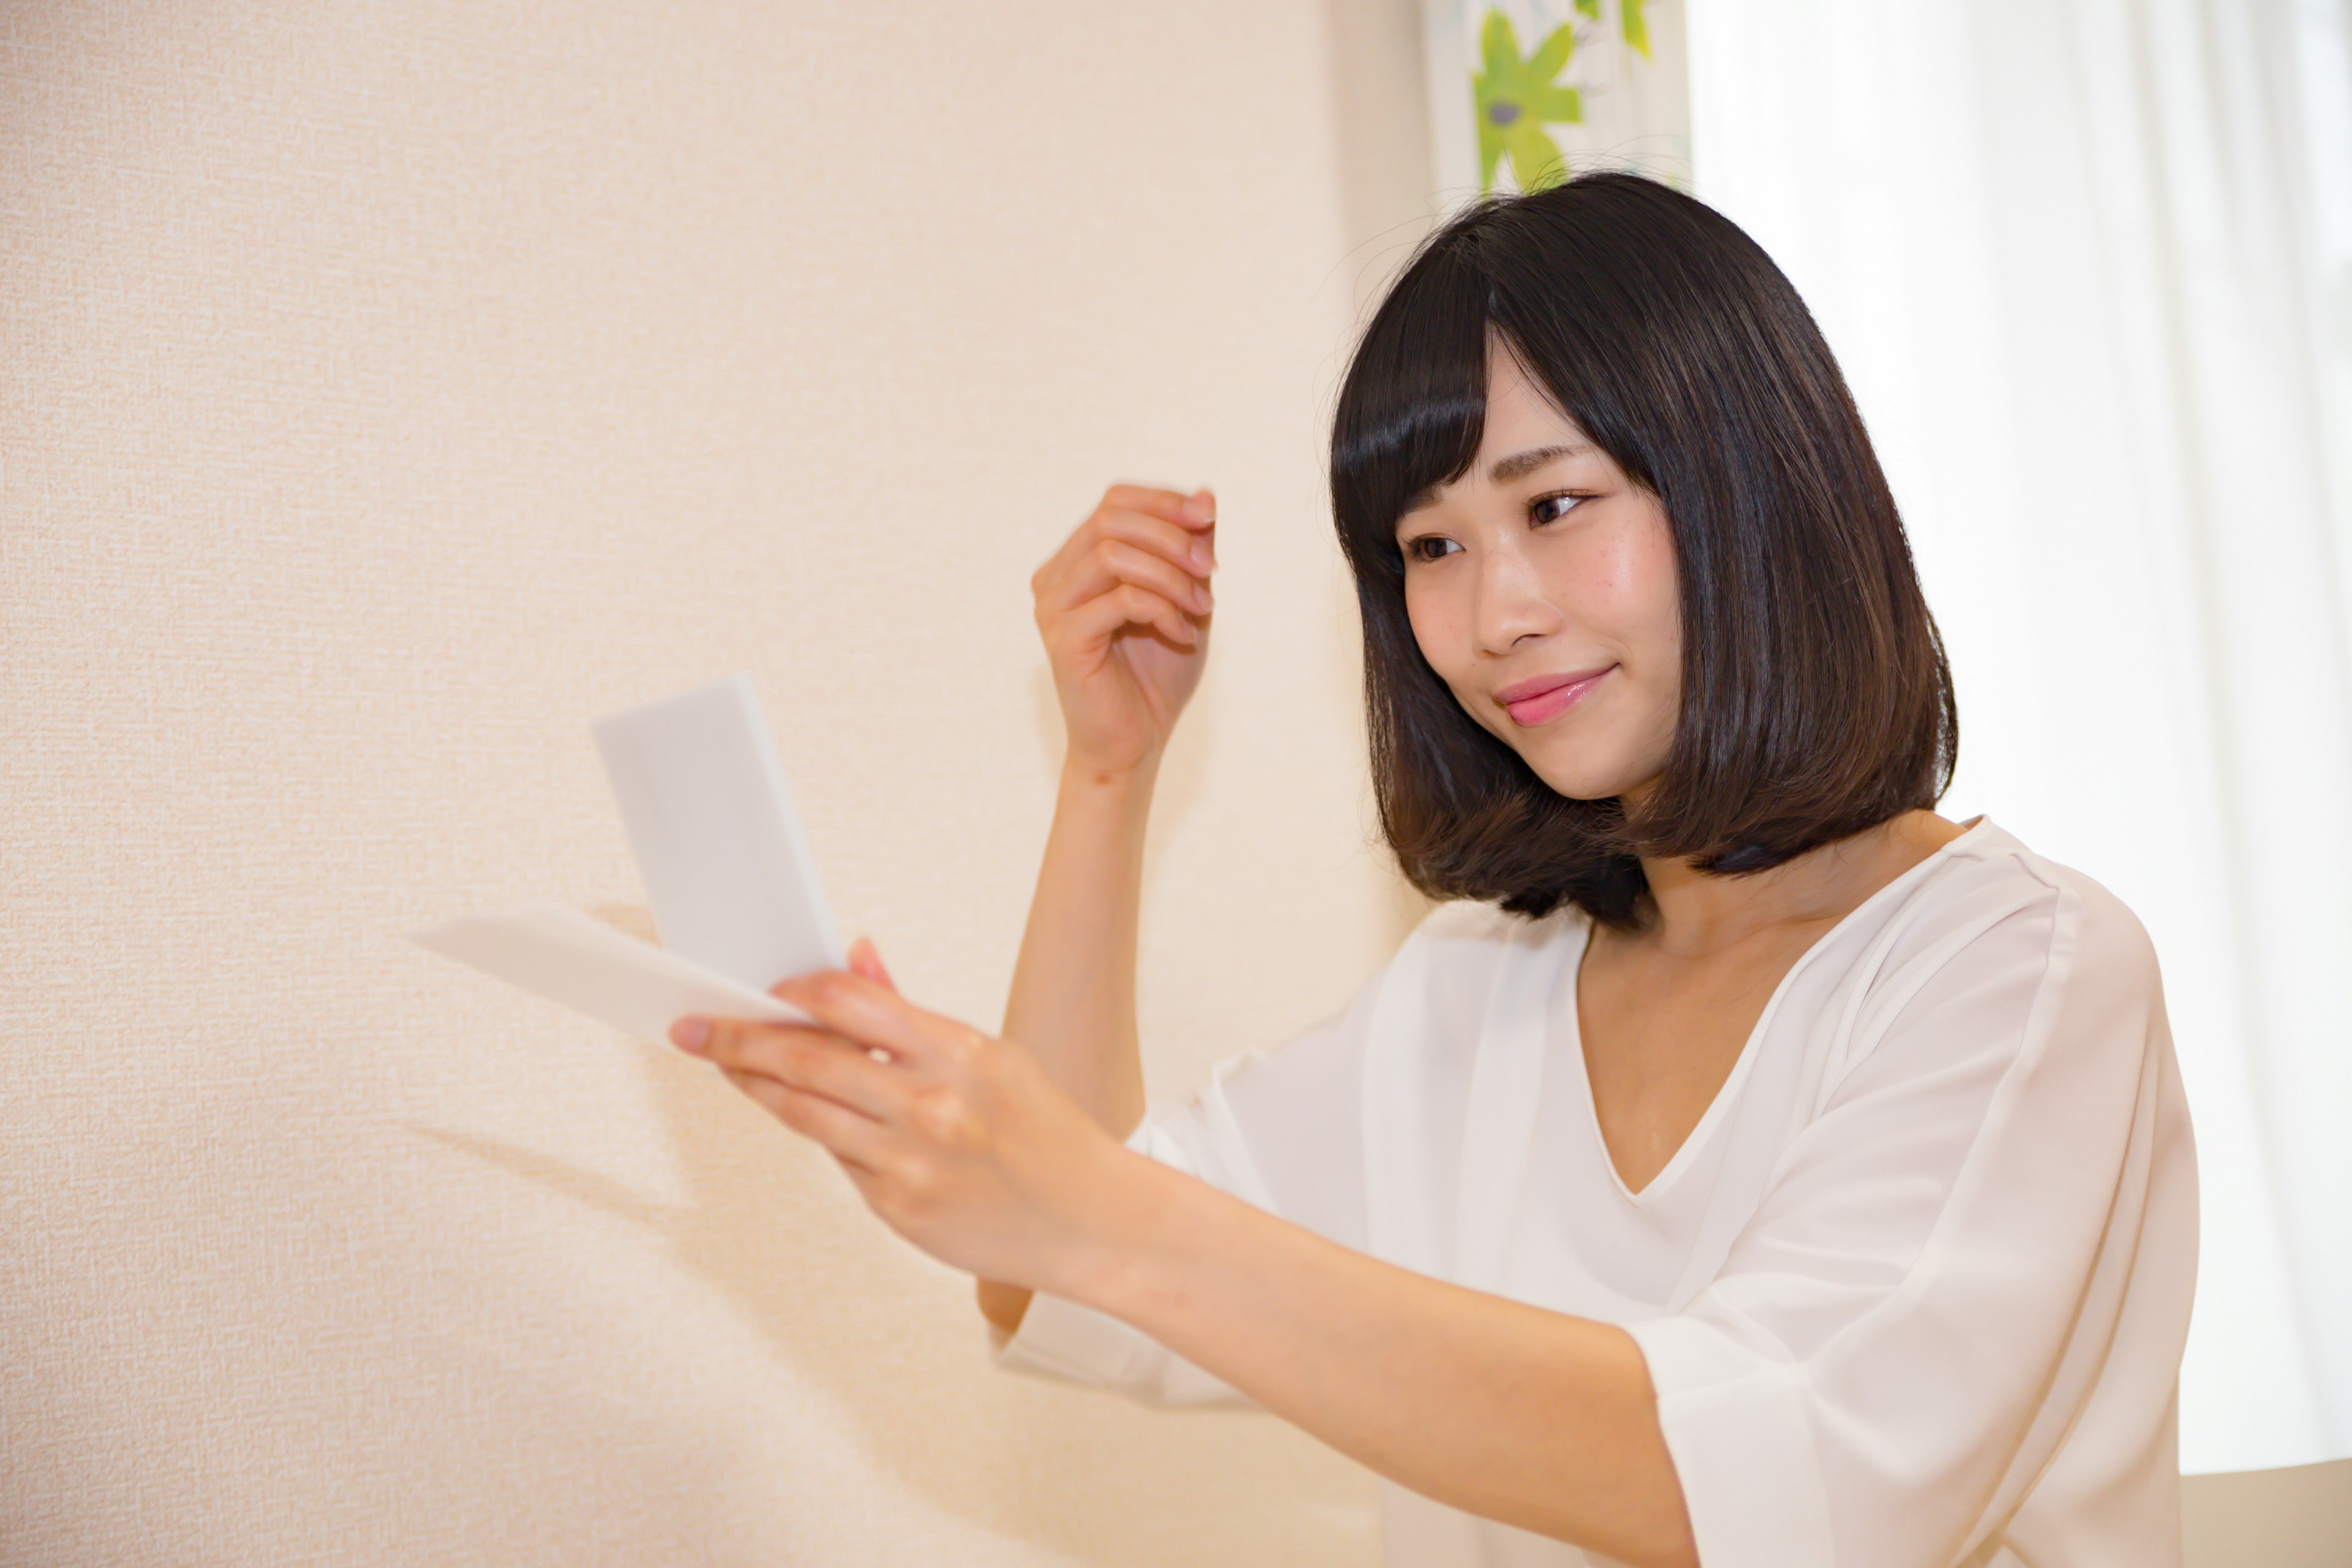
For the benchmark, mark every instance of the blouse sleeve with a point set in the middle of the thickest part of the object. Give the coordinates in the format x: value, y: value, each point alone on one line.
x: 1904, y: 1330
x: 1278, y: 1127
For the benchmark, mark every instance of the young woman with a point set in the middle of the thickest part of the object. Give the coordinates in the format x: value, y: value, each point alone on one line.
x: 1743, y: 1164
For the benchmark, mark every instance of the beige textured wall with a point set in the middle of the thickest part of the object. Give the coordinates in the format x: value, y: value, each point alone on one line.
x: 385, y: 390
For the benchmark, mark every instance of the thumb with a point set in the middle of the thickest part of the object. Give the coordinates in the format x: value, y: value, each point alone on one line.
x: 865, y: 961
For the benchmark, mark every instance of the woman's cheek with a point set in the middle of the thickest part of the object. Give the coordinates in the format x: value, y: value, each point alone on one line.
x: 1602, y: 580
x: 1621, y: 585
x: 1445, y: 645
x: 1432, y: 629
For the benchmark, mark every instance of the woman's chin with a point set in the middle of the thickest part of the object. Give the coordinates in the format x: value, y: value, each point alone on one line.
x: 1583, y: 779
x: 1580, y: 786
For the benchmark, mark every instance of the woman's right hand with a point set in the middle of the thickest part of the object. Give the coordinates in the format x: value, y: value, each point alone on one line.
x: 1124, y: 608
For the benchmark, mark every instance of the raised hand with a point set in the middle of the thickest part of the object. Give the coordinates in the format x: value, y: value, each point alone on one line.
x: 1124, y: 609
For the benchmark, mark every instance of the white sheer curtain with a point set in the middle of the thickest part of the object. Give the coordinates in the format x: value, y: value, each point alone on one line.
x: 2089, y: 266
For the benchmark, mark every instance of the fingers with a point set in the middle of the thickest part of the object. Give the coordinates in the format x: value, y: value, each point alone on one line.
x: 1127, y: 604
x: 1125, y: 546
x: 1193, y: 553
x: 864, y: 959
x: 1142, y: 558
x: 1113, y: 564
x: 1182, y: 528
x: 867, y: 1014
x: 853, y: 1138
x: 807, y: 1059
x: 1197, y: 509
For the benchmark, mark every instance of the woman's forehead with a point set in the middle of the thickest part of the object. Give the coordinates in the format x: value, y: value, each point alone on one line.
x: 1520, y: 419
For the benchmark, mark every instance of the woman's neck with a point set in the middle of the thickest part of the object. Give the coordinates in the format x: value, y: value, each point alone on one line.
x: 1698, y: 912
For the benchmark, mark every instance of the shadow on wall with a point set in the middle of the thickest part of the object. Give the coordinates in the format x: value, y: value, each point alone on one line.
x: 750, y: 1228
x: 747, y: 1230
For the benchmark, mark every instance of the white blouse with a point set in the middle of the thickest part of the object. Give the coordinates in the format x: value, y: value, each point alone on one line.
x: 1913, y: 1293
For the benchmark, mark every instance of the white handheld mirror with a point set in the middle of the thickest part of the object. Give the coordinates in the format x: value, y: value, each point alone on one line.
x: 717, y: 842
x: 719, y: 847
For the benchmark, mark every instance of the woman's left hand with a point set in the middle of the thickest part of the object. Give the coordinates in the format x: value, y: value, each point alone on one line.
x: 960, y: 1143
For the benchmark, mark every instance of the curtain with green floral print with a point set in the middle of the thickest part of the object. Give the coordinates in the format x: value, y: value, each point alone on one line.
x: 1523, y: 92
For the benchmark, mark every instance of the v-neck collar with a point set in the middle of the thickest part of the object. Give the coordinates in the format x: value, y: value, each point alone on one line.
x: 1728, y: 1092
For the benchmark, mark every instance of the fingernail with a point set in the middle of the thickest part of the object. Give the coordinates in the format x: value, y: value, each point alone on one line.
x: 1200, y: 560
x: 690, y: 1034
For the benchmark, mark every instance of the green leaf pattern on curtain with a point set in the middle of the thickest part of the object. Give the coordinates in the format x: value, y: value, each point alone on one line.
x: 1517, y: 97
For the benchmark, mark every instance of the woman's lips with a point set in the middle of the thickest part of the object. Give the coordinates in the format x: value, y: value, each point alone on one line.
x: 1551, y: 702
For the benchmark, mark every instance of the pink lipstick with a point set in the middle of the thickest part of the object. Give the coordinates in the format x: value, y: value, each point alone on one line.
x: 1547, y: 697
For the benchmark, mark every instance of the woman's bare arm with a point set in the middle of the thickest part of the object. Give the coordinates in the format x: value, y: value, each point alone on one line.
x: 1498, y: 1407
x: 1073, y: 998
x: 1123, y: 607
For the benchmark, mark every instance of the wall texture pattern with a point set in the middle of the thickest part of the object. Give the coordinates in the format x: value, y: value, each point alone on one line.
x: 385, y: 391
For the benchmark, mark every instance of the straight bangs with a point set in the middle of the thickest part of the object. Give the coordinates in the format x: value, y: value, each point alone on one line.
x: 1413, y: 408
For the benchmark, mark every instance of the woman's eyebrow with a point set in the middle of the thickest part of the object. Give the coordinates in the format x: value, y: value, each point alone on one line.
x: 1519, y: 465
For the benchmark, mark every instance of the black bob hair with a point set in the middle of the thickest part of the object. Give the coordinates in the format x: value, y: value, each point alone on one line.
x: 1816, y: 700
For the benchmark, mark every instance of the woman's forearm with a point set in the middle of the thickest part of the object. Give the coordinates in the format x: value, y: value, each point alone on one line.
x: 1073, y: 998
x: 1498, y: 1407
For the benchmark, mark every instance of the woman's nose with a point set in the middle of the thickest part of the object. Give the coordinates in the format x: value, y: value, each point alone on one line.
x: 1511, y: 603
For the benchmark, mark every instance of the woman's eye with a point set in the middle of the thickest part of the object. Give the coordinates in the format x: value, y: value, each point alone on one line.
x: 1551, y: 508
x: 1429, y: 547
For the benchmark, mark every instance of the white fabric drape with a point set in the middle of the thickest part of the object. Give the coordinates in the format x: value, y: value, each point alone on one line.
x: 2088, y: 264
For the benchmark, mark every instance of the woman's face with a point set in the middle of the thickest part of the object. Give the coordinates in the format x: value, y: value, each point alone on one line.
x: 1541, y: 589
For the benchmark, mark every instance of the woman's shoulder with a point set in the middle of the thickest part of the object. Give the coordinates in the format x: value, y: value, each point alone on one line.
x: 1977, y: 957
x: 1988, y: 892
